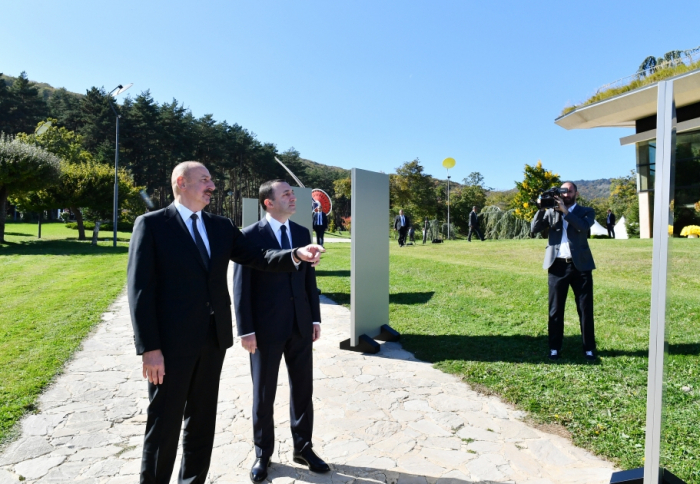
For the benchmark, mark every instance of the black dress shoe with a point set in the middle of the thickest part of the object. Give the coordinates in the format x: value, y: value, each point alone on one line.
x: 590, y: 356
x: 309, y: 458
x: 554, y: 355
x: 258, y: 473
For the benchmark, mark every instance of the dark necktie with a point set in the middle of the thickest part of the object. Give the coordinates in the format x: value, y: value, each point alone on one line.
x: 199, y: 241
x: 285, y: 239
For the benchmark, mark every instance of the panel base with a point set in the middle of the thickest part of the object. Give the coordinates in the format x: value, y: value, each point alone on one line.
x: 364, y: 345
x: 388, y: 334
x: 636, y: 476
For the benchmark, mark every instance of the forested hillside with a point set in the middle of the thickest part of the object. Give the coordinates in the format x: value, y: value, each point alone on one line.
x: 592, y: 189
x: 155, y: 136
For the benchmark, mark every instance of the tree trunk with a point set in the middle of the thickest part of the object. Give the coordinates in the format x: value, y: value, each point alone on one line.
x: 3, y: 211
x: 79, y: 219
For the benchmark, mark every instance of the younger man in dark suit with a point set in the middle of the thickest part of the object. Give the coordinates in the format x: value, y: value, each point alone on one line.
x: 570, y: 263
x: 279, y: 314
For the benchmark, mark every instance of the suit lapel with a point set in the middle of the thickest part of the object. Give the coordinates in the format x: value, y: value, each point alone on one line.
x: 179, y: 228
x: 268, y: 235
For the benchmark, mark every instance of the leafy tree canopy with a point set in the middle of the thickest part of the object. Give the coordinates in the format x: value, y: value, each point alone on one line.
x: 535, y: 181
x: 23, y: 167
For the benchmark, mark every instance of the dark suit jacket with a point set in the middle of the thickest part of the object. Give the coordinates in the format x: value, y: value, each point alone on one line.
x: 171, y: 293
x: 473, y: 219
x: 397, y: 222
x: 324, y: 222
x: 610, y: 219
x: 580, y: 221
x: 267, y: 303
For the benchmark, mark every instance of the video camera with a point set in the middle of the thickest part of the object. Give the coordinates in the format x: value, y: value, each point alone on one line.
x: 547, y: 199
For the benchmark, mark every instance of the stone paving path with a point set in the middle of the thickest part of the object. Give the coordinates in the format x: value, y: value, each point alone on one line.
x: 386, y: 418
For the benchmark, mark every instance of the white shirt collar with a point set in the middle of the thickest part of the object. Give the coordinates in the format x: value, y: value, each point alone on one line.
x: 185, y: 212
x: 276, y: 224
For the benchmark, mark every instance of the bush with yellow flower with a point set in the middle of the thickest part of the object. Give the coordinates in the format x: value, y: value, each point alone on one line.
x: 535, y: 181
x: 692, y: 231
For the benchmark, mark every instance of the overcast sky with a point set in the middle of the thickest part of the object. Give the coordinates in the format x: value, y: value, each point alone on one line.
x: 367, y: 84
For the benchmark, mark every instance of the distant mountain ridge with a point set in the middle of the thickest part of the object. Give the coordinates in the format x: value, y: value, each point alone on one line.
x: 592, y: 189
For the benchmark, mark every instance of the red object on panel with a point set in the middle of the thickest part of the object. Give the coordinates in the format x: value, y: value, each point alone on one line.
x: 323, y: 201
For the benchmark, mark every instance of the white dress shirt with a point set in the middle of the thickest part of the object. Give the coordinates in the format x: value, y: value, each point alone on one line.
x: 564, y: 248
x: 186, y: 213
x: 276, y: 225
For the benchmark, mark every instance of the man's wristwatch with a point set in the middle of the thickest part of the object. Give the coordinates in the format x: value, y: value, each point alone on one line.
x: 294, y: 254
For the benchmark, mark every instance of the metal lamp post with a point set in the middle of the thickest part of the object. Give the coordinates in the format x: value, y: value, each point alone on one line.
x: 115, y: 92
x: 448, y: 163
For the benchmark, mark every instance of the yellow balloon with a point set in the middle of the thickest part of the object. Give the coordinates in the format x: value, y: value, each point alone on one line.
x: 448, y: 163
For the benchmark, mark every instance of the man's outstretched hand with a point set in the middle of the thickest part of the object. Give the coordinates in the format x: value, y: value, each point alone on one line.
x: 311, y: 253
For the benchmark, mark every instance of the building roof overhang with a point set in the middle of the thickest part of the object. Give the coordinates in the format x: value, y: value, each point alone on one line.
x: 623, y: 110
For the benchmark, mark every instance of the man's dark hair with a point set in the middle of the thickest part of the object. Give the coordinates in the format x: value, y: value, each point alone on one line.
x: 474, y: 207
x: 575, y: 187
x: 267, y: 191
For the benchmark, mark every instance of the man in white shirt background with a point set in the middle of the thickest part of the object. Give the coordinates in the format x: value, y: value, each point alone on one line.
x: 569, y: 262
x: 279, y: 314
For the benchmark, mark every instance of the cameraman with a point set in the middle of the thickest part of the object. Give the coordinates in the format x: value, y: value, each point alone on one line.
x: 570, y: 263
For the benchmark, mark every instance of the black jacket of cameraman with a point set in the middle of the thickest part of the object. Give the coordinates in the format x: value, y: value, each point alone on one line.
x: 579, y: 220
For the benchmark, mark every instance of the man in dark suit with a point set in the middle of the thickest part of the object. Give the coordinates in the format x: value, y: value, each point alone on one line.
x: 320, y: 224
x: 401, y: 223
x: 610, y: 223
x: 474, y: 225
x: 181, y: 315
x: 570, y: 263
x: 279, y: 314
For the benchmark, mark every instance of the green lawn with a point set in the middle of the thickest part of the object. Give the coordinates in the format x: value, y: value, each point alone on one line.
x: 52, y: 291
x: 479, y: 310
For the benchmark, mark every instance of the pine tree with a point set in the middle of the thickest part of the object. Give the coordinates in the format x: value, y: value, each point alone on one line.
x: 27, y: 108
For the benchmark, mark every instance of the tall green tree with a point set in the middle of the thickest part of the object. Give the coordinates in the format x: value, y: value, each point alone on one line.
x: 7, y: 108
x: 97, y: 125
x: 23, y: 168
x: 536, y: 180
x: 413, y: 190
x: 29, y: 106
x: 624, y: 200
x: 64, y: 106
x: 472, y: 193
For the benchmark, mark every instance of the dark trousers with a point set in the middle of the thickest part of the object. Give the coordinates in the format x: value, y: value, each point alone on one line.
x: 402, y: 235
x: 190, y: 389
x: 611, y: 230
x: 561, y: 276
x: 264, y: 368
x: 319, y: 236
x: 475, y: 230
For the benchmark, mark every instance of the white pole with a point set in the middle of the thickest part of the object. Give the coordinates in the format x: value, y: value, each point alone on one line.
x: 665, y: 145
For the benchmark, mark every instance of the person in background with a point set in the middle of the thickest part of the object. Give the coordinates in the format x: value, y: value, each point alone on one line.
x: 401, y: 224
x: 320, y: 222
x: 569, y: 262
x: 610, y: 223
x: 474, y: 225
